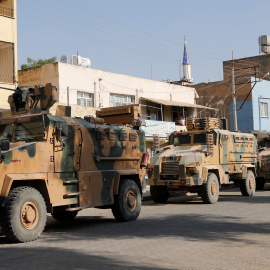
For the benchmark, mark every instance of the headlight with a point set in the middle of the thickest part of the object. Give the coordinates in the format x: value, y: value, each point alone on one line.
x: 190, y: 170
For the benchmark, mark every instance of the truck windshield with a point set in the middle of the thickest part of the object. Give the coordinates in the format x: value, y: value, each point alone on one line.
x: 28, y: 131
x: 181, y: 139
x: 200, y: 138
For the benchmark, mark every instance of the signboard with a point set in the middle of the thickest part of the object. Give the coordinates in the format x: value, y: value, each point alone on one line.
x: 161, y: 128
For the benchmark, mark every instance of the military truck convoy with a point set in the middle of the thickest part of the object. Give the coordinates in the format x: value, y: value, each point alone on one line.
x: 61, y: 165
x: 202, y: 160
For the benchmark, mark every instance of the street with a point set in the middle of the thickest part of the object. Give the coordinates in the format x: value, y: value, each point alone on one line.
x: 183, y: 234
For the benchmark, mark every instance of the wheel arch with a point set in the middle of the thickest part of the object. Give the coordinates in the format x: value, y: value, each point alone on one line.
x: 121, y: 176
x: 212, y: 169
x: 246, y: 168
x: 38, y: 183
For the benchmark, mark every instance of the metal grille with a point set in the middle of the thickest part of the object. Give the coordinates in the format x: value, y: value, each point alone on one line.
x: 170, y: 170
x: 6, y: 11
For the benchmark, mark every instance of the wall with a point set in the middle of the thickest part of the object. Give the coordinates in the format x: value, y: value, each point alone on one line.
x: 103, y: 83
x: 247, y: 67
x: 39, y: 75
x: 244, y: 116
x: 8, y: 33
x: 219, y: 95
x: 262, y: 90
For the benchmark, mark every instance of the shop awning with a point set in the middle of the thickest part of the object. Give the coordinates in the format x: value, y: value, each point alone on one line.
x: 177, y: 103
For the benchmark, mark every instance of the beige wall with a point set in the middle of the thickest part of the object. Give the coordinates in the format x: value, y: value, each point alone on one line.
x: 8, y: 33
x: 101, y: 84
x: 39, y: 75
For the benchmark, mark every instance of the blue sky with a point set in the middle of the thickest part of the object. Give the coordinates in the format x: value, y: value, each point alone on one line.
x: 143, y: 38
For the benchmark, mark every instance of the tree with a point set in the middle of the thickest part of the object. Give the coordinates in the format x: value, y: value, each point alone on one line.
x: 37, y: 63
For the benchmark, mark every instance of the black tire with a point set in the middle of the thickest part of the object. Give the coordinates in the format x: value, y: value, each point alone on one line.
x: 128, y: 201
x: 24, y: 215
x: 248, y: 185
x: 260, y: 182
x: 159, y: 194
x: 64, y: 215
x: 210, y: 189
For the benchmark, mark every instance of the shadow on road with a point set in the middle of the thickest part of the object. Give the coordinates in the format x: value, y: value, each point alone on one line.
x: 56, y: 258
x: 183, y: 226
x: 191, y: 227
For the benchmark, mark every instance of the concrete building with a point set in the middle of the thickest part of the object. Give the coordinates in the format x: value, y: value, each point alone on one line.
x: 8, y: 49
x: 88, y: 90
x: 252, y: 86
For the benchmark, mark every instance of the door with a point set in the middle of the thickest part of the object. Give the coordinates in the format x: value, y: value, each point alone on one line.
x: 65, y: 148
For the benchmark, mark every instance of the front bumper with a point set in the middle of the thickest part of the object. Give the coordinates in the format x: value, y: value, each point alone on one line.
x: 189, y: 181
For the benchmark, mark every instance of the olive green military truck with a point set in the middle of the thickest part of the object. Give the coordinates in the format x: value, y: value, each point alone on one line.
x: 263, y: 171
x: 201, y: 160
x: 61, y: 165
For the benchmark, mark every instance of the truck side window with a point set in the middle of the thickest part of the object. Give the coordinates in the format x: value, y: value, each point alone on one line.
x: 29, y: 131
x: 200, y: 138
x: 182, y: 139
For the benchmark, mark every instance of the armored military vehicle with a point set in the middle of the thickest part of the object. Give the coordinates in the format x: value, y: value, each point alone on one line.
x: 61, y: 165
x: 201, y: 160
x: 263, y: 171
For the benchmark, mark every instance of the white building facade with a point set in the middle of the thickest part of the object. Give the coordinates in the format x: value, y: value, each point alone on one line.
x: 88, y: 90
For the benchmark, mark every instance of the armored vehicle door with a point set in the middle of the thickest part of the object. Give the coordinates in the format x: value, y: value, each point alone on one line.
x: 65, y: 148
x: 224, y: 149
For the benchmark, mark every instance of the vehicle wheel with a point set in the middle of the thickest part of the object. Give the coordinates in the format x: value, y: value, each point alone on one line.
x: 24, y: 215
x: 248, y: 185
x: 159, y: 194
x: 64, y: 215
x: 210, y: 189
x: 128, y: 201
x: 260, y: 182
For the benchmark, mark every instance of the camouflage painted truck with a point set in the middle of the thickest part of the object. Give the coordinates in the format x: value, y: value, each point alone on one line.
x: 263, y: 171
x: 61, y: 165
x: 203, y: 159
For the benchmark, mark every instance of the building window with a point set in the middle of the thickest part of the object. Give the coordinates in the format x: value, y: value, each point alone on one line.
x: 6, y: 8
x: 85, y: 99
x: 264, y: 109
x: 120, y: 100
x: 153, y: 111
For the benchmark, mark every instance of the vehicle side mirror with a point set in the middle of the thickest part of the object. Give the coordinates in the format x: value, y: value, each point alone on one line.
x: 4, y: 145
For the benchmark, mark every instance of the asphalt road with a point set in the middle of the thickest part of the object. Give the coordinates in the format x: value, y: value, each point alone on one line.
x: 183, y: 234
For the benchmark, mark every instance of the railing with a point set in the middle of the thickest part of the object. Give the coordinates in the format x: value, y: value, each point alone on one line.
x: 6, y: 74
x: 6, y: 11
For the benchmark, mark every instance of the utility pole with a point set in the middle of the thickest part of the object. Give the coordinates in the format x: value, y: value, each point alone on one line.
x: 234, y: 103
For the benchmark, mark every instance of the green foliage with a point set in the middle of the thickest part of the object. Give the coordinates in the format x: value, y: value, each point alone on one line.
x: 37, y: 63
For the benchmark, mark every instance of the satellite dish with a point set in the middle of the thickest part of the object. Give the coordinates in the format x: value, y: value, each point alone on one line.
x: 63, y: 59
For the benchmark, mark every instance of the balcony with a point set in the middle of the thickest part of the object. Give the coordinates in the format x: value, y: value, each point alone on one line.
x: 6, y: 62
x: 6, y: 11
